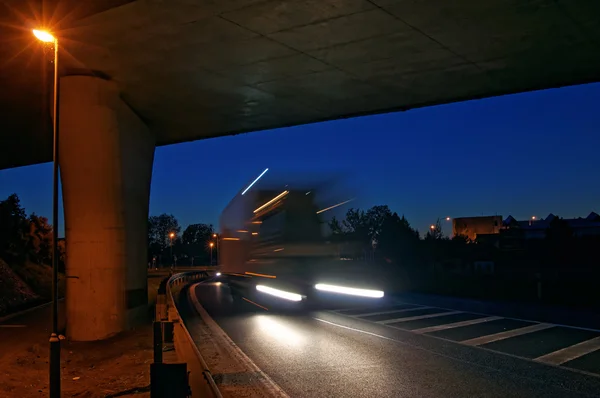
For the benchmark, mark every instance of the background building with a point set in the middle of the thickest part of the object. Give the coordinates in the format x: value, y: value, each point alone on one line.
x: 473, y: 226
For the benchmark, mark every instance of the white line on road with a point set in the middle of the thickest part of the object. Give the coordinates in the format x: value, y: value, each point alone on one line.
x: 414, y: 318
x: 390, y: 311
x: 569, y: 353
x: 455, y: 325
x: 508, y: 334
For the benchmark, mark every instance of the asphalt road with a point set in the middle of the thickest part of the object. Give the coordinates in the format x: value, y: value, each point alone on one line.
x: 395, y: 349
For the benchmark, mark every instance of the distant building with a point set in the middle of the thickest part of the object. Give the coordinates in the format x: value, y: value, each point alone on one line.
x: 536, y: 229
x: 473, y: 226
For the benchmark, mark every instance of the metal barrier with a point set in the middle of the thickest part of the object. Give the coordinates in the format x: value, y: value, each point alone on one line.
x: 173, y: 329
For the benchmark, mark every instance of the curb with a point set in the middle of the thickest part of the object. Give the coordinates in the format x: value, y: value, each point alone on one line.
x: 236, y: 352
x: 37, y: 307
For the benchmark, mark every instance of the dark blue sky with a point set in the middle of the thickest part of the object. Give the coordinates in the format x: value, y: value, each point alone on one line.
x: 526, y: 154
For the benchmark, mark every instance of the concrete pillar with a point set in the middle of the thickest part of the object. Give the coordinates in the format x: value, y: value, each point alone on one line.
x: 106, y: 155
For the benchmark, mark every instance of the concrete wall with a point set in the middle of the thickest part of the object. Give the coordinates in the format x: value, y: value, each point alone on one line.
x: 106, y: 156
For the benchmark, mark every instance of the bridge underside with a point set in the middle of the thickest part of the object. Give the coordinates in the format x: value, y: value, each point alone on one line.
x: 197, y: 69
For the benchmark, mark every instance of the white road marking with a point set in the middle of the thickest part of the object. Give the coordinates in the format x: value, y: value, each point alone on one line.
x: 455, y: 325
x: 555, y: 358
x: 414, y: 318
x: 569, y: 353
x: 390, y: 311
x: 508, y: 334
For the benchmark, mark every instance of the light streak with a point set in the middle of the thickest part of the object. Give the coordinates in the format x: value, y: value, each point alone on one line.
x: 275, y: 199
x: 349, y: 290
x: 254, y: 182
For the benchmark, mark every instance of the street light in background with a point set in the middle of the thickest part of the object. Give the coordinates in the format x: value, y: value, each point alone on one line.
x: 171, y: 236
x: 211, y: 244
x: 216, y: 236
x: 54, y: 371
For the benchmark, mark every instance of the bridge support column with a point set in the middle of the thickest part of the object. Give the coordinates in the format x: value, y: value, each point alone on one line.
x: 106, y: 155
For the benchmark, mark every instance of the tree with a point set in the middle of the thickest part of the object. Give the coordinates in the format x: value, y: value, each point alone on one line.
x: 197, y: 233
x: 39, y: 242
x: 195, y: 240
x: 159, y: 230
x: 398, y: 240
x: 14, y: 229
x: 376, y: 216
x: 436, y: 232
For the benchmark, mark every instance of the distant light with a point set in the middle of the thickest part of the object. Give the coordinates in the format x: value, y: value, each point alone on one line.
x: 254, y: 233
x: 349, y: 290
x: 279, y: 293
x: 432, y: 226
x: 334, y: 206
x: 276, y: 198
x: 211, y: 244
x: 172, y: 235
x: 278, y: 250
x: 254, y: 182
x: 261, y: 275
x: 214, y: 235
x: 231, y: 238
x: 218, y: 274
x: 243, y: 231
x: 533, y: 217
x: 44, y: 36
x: 447, y: 218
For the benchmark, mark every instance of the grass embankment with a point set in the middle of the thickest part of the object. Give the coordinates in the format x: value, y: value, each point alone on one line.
x: 26, y: 285
x: 39, y: 278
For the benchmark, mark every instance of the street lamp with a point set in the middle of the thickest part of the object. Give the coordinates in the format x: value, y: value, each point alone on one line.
x: 211, y: 247
x: 216, y: 236
x: 54, y: 371
x: 171, y: 236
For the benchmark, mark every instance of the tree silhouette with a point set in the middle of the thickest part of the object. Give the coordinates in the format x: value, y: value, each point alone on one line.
x: 436, y: 232
x: 159, y: 230
x: 39, y: 242
x: 195, y: 240
x: 398, y: 240
x: 14, y: 229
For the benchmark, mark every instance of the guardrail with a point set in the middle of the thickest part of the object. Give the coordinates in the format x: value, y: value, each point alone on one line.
x: 169, y: 328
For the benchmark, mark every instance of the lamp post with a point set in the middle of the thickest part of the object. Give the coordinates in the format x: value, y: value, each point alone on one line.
x: 216, y: 236
x: 54, y: 371
x: 171, y: 236
x: 211, y: 244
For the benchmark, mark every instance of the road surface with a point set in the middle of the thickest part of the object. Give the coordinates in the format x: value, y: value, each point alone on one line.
x: 399, y: 349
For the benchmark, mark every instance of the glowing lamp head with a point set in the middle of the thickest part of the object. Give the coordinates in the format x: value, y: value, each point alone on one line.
x: 171, y: 235
x: 432, y: 226
x: 44, y: 36
x: 211, y: 244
